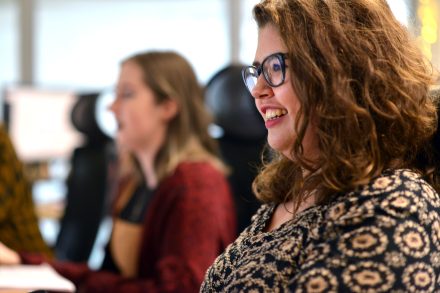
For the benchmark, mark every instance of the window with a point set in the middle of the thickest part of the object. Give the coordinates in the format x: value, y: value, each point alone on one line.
x: 400, y: 10
x: 249, y: 31
x: 9, y: 69
x: 80, y: 43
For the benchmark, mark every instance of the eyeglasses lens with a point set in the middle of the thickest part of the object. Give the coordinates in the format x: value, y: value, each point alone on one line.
x: 250, y: 76
x: 273, y: 71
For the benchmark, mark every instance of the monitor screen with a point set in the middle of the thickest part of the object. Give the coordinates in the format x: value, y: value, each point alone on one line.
x: 39, y: 123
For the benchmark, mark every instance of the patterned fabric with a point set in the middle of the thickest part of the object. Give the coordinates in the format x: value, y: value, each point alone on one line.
x: 189, y: 222
x: 18, y: 222
x: 383, y: 237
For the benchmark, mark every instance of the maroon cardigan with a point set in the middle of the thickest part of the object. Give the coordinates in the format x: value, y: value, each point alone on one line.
x: 189, y: 222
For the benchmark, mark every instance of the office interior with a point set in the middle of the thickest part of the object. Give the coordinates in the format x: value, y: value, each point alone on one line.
x: 60, y: 59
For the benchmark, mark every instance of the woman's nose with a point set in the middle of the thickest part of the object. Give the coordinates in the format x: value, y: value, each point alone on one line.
x: 261, y: 89
x: 113, y: 106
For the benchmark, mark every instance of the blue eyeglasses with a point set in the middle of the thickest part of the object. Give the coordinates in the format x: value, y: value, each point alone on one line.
x: 273, y: 68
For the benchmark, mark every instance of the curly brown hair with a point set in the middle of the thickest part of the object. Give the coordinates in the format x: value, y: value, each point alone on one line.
x: 362, y: 80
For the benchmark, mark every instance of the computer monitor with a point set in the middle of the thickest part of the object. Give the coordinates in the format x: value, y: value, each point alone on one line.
x: 40, y: 123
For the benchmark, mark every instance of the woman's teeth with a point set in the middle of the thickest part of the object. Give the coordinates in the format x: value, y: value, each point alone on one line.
x: 275, y: 113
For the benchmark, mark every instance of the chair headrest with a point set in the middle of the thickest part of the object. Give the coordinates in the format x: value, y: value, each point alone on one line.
x: 232, y: 106
x: 83, y: 117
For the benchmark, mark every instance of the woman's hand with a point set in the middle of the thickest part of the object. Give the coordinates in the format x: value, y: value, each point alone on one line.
x: 8, y: 256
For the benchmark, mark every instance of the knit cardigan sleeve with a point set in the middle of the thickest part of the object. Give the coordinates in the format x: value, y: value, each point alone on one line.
x: 188, y: 224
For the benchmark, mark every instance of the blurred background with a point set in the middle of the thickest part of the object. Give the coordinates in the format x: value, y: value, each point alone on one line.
x: 55, y: 53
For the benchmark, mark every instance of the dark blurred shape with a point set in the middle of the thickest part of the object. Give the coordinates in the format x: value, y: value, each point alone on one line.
x: 436, y: 95
x: 86, y: 184
x: 242, y: 137
x: 428, y: 158
x: 436, y: 139
x: 233, y: 107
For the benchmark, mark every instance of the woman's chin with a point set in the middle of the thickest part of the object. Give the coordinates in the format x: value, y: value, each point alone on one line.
x: 281, y: 146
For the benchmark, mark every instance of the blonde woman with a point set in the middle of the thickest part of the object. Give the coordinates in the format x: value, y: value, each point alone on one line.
x: 173, y: 213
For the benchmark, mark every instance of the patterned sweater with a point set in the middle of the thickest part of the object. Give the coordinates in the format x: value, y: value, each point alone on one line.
x: 383, y: 237
x: 18, y: 221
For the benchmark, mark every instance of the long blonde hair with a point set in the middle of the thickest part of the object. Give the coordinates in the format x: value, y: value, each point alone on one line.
x: 170, y: 76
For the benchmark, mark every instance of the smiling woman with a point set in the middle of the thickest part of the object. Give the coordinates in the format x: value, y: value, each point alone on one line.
x: 349, y: 206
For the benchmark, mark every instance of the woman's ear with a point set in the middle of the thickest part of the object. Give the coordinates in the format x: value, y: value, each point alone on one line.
x: 170, y: 108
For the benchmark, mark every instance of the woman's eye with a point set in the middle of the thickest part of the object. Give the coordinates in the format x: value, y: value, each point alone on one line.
x: 126, y: 94
x: 276, y: 67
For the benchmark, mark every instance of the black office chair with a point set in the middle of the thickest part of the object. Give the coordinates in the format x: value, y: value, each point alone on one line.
x: 241, y: 138
x: 436, y: 96
x: 436, y: 140
x: 428, y: 158
x: 86, y: 185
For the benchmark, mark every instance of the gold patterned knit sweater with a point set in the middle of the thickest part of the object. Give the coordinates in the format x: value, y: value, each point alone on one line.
x: 18, y: 222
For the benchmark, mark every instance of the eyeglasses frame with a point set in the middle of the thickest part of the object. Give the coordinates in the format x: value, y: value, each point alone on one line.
x: 281, y: 57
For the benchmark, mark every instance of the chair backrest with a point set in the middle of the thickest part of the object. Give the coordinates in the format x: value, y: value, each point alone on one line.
x: 87, y: 185
x: 243, y: 135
